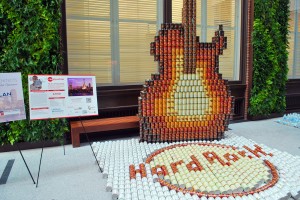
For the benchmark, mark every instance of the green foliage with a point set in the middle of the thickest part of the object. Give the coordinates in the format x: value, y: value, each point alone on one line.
x: 30, y: 43
x: 270, y: 56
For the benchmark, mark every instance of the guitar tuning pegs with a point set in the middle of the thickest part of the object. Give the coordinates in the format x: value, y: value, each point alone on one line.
x: 152, y: 51
x: 152, y: 45
x: 221, y: 27
x: 221, y: 33
x: 217, y: 34
x: 221, y: 51
x: 161, y: 33
x: 225, y: 43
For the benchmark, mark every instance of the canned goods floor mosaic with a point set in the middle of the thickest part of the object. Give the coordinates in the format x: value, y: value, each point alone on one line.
x: 292, y: 119
x: 232, y: 168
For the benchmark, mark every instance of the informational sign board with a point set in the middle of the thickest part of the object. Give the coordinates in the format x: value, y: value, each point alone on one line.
x: 12, y: 106
x: 62, y: 96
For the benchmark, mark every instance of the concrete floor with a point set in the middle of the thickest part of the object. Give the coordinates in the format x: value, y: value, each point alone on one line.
x: 75, y: 175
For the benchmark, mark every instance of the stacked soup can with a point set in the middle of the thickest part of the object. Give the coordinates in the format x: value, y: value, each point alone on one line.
x: 187, y: 99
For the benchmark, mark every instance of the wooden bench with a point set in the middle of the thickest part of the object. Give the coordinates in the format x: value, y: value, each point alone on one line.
x: 96, y: 125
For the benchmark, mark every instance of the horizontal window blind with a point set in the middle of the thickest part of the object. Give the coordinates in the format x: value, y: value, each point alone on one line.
x: 291, y: 54
x: 294, y: 40
x: 210, y: 14
x: 297, y: 52
x: 137, y: 28
x: 111, y: 39
x: 88, y: 38
x: 224, y: 12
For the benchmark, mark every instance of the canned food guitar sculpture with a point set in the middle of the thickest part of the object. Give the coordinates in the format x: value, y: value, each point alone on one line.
x: 187, y: 99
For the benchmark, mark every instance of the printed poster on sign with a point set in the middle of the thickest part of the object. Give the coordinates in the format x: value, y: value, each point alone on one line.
x: 12, y: 106
x: 62, y: 96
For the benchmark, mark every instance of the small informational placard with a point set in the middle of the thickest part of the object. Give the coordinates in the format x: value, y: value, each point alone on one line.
x: 62, y: 96
x: 12, y: 106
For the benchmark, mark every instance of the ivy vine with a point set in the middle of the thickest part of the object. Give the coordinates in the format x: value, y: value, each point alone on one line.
x: 270, y: 56
x: 30, y: 44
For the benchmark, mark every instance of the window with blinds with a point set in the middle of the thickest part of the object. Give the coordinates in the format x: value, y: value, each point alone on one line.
x: 137, y: 28
x: 210, y: 14
x: 88, y: 38
x: 111, y: 39
x: 294, y: 40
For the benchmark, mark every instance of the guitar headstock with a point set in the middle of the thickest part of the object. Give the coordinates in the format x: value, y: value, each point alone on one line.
x: 220, y: 40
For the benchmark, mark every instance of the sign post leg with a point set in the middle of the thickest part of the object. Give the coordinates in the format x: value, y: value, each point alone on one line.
x: 90, y: 144
x: 37, y: 182
x: 25, y: 163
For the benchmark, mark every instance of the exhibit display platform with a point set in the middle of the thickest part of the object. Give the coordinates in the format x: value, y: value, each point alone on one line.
x: 232, y: 168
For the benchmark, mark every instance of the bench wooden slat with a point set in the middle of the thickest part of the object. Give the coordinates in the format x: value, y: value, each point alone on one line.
x: 97, y: 125
x: 105, y: 121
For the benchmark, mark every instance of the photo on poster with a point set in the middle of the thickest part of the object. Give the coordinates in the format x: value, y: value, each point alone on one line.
x: 80, y: 86
x: 12, y: 106
x: 36, y: 83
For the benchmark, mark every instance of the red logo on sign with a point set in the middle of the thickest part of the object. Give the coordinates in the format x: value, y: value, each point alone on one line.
x: 50, y: 79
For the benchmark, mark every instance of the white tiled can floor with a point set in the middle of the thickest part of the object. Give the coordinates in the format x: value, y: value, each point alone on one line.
x: 116, y: 157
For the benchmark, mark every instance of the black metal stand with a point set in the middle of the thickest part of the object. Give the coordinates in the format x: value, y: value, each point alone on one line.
x: 25, y: 163
x: 23, y: 159
x: 90, y: 144
x: 64, y: 149
x: 37, y: 181
x: 64, y: 139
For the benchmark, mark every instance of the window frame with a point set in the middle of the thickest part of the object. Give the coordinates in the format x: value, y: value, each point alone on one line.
x: 295, y: 47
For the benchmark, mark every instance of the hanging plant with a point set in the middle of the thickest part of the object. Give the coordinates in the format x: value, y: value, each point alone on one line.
x: 30, y: 44
x: 270, y: 56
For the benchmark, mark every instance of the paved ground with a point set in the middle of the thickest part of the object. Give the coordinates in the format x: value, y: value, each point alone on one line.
x: 75, y: 175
